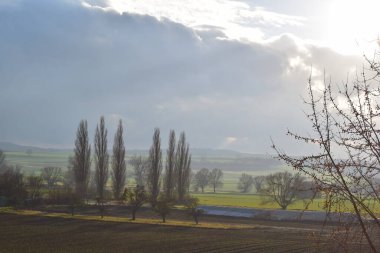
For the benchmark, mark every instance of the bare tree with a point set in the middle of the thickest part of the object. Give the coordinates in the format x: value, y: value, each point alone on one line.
x: 192, y: 205
x: 155, y: 168
x: 51, y: 176
x: 135, y: 198
x: 182, y: 167
x: 2, y: 160
x: 12, y: 185
x: 82, y: 161
x: 216, y: 176
x: 202, y: 179
x: 118, y: 163
x: 69, y: 175
x: 282, y: 188
x: 69, y: 180
x: 169, y: 181
x: 163, y: 206
x: 35, y: 184
x: 245, y: 183
x: 344, y: 121
x: 258, y: 182
x: 140, y: 169
x: 101, y: 162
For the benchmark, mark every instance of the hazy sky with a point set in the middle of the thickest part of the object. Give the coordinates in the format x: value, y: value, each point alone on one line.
x: 231, y: 74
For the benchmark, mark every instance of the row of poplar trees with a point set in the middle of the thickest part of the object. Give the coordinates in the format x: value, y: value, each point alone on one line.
x: 175, y: 179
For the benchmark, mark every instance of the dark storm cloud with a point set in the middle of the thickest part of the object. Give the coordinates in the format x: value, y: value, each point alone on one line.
x: 61, y: 62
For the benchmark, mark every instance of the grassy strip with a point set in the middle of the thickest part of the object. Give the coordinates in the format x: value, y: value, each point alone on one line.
x: 251, y: 201
x: 150, y: 221
x: 255, y: 201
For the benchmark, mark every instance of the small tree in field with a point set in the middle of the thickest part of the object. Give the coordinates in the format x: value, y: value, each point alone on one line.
x: 283, y: 188
x: 192, y: 205
x: 258, y: 182
x: 163, y: 206
x: 135, y: 198
x: 216, y: 176
x: 245, y: 183
x: 202, y: 178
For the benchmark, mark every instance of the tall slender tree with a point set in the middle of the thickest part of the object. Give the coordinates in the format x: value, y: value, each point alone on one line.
x: 170, y: 166
x: 118, y: 163
x: 155, y: 169
x: 182, y: 167
x: 101, y: 158
x: 2, y: 160
x: 82, y: 160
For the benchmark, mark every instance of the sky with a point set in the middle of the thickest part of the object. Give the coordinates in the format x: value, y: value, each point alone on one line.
x: 231, y: 74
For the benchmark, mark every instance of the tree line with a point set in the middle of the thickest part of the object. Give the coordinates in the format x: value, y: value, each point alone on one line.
x: 161, y: 185
x: 148, y: 172
x: 282, y: 188
x: 169, y: 184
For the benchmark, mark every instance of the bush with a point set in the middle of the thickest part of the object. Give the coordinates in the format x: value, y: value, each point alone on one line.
x: 12, y: 186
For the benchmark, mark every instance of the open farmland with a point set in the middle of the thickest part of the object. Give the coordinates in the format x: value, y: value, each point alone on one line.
x: 227, y: 195
x: 232, y: 162
x: 30, y: 163
x: 47, y: 234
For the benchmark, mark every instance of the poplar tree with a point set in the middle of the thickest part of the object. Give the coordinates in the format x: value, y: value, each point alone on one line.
x: 82, y: 160
x: 155, y: 168
x: 182, y: 167
x: 169, y: 181
x: 101, y: 158
x: 118, y: 163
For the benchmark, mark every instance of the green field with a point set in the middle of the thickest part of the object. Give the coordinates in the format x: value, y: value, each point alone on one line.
x: 34, y: 162
x: 228, y: 195
x: 255, y: 201
x: 251, y: 201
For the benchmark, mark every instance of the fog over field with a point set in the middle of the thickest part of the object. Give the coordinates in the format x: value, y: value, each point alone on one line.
x: 229, y: 73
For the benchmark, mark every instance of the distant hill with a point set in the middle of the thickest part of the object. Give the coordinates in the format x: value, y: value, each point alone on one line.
x: 11, y: 147
x: 239, y: 164
x: 195, y: 152
x: 200, y: 153
x: 228, y: 160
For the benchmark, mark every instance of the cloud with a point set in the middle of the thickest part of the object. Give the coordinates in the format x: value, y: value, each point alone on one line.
x: 236, y: 20
x: 260, y: 15
x: 62, y: 62
x: 231, y: 140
